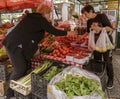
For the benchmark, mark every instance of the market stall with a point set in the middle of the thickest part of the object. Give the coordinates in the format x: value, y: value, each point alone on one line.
x: 51, y: 61
x: 59, y: 57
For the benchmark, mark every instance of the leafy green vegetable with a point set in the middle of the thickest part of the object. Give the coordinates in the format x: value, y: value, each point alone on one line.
x: 52, y: 72
x: 75, y: 85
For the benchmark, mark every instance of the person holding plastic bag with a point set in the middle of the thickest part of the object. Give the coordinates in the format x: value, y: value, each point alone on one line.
x: 99, y: 23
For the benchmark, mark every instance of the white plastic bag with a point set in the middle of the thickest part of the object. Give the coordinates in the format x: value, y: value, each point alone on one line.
x: 103, y: 43
x: 91, y: 42
x: 57, y: 94
x: 114, y: 37
x: 109, y: 44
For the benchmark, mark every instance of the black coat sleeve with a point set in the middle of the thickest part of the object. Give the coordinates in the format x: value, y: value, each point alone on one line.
x: 105, y: 21
x: 47, y: 26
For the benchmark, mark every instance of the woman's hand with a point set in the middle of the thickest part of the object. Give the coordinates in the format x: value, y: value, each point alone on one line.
x: 108, y: 29
x: 72, y: 33
x: 95, y: 27
x: 55, y: 43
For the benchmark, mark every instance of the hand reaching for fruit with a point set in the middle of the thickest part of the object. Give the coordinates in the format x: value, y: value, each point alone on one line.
x: 55, y: 43
x: 72, y: 33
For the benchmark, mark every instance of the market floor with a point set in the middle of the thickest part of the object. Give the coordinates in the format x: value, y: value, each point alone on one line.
x: 115, y: 92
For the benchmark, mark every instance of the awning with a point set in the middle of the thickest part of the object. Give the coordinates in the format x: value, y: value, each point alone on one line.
x: 11, y: 5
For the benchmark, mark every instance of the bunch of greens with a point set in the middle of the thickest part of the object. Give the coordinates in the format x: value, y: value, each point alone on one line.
x: 76, y: 85
x: 26, y: 80
x: 52, y: 72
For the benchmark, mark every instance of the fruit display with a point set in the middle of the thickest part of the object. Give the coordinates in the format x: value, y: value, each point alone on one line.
x: 48, y: 40
x: 46, y: 49
x: 60, y: 51
x: 3, y: 30
x: 5, y: 27
x: 63, y: 51
x: 65, y: 48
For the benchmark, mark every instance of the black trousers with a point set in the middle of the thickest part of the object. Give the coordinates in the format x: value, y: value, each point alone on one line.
x: 20, y: 67
x: 107, y: 57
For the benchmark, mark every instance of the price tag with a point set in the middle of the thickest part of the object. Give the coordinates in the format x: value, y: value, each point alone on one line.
x: 69, y: 58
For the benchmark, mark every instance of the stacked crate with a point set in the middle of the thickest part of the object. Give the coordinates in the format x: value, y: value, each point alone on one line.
x: 22, y: 91
x: 39, y: 84
x: 5, y: 70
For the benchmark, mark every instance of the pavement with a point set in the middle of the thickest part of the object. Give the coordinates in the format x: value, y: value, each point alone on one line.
x: 115, y: 92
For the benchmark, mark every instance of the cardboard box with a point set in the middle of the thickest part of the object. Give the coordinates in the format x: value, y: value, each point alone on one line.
x: 2, y: 88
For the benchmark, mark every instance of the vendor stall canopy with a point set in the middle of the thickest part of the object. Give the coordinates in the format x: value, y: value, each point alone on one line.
x: 12, y: 5
x: 93, y: 1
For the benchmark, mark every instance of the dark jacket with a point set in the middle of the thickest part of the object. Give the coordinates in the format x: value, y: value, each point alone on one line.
x: 102, y: 21
x: 28, y: 33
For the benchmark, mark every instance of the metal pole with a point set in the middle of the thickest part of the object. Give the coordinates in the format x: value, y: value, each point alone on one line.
x: 118, y: 25
x: 118, y: 13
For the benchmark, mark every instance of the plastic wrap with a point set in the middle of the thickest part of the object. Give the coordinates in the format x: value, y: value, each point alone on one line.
x: 53, y: 93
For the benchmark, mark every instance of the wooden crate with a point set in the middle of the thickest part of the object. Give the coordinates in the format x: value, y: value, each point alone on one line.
x: 25, y: 90
x: 2, y: 88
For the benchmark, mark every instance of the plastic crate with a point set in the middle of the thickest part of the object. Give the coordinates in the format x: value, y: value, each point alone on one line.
x: 39, y: 87
x: 37, y: 97
x: 5, y: 71
x: 39, y: 84
x: 23, y: 89
x: 20, y: 96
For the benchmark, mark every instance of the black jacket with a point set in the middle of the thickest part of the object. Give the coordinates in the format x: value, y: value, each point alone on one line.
x: 29, y: 32
x: 102, y: 21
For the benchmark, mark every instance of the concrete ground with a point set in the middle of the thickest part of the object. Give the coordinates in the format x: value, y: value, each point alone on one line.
x: 115, y: 92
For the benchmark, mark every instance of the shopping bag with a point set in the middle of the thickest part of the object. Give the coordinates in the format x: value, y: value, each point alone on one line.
x: 91, y: 42
x: 114, y: 37
x: 102, y: 44
x: 109, y: 45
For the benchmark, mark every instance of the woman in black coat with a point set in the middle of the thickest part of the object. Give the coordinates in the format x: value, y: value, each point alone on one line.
x: 22, y: 42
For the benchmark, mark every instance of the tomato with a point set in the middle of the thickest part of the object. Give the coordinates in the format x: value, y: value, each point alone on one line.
x: 64, y: 52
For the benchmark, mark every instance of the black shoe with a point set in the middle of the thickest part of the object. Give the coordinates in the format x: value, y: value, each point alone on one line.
x: 110, y: 84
